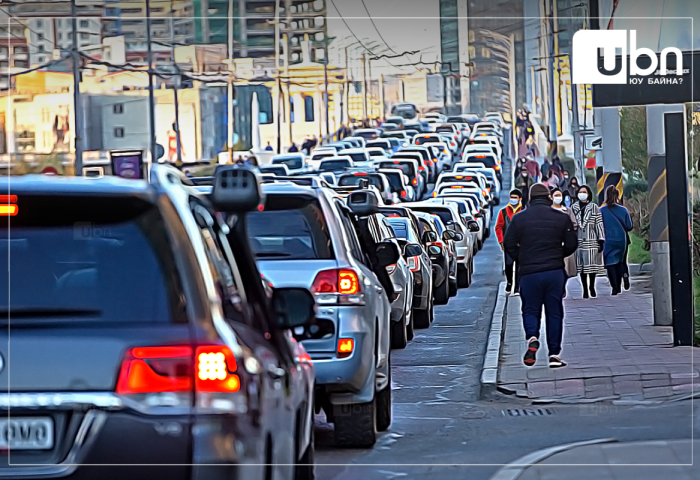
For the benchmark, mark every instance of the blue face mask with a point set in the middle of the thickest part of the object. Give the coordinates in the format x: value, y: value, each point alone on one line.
x: 514, y: 202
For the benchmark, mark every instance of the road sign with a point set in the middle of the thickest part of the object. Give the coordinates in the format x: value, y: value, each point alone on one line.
x: 594, y: 142
x: 50, y: 170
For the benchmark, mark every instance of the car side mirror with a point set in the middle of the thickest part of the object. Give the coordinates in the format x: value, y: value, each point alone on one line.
x: 293, y: 307
x: 473, y: 226
x: 413, y: 250
x: 458, y: 237
x: 387, y: 253
x: 434, y: 250
x: 479, y: 215
x: 430, y: 237
x: 448, y: 235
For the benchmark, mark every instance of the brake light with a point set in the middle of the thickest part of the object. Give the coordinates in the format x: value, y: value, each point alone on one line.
x: 456, y: 186
x: 422, y: 169
x: 337, y: 286
x: 396, y: 161
x: 413, y: 263
x: 359, y: 173
x: 305, y: 358
x: 403, y: 193
x: 485, y: 193
x: 434, y: 194
x: 497, y: 167
x: 481, y: 156
x: 173, y: 369
x: 415, y: 181
x: 345, y: 347
x: 459, y: 177
x: 7, y: 205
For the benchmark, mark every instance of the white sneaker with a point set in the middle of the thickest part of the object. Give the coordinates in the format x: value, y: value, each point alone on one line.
x: 555, y: 361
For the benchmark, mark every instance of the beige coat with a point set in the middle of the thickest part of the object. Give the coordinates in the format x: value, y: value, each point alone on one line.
x: 570, y: 261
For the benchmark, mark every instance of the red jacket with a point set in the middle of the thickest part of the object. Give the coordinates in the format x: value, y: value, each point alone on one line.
x: 501, y: 222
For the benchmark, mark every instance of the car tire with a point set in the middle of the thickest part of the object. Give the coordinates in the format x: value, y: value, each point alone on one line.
x: 383, y: 400
x: 453, y: 288
x: 355, y: 425
x: 304, y: 468
x: 442, y: 296
x: 463, y: 277
x: 399, y: 337
x: 410, y: 326
x: 421, y: 318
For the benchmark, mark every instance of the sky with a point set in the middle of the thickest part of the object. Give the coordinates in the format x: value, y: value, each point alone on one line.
x: 414, y: 30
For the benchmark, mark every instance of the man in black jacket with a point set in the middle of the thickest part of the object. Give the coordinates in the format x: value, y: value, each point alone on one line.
x: 539, y: 238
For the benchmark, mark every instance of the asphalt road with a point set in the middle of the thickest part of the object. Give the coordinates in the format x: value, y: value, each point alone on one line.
x: 443, y: 430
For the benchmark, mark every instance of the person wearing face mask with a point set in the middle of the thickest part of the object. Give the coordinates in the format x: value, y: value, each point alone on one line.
x: 504, y: 218
x: 559, y: 205
x: 539, y: 239
x: 518, y: 168
x: 591, y: 239
x: 617, y: 222
x: 573, y: 186
x: 523, y: 182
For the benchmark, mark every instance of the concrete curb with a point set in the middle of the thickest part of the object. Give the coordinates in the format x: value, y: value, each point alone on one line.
x: 514, y: 469
x: 489, y: 372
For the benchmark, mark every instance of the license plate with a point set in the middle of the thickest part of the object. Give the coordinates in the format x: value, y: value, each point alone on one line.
x: 26, y: 433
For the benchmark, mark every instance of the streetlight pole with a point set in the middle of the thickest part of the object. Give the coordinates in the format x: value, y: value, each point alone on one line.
x: 151, y: 99
x: 278, y: 118
x: 175, y: 87
x: 325, y: 81
x: 364, y: 90
x: 77, y: 113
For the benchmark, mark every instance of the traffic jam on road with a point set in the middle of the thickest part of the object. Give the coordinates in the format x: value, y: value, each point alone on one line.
x: 201, y: 323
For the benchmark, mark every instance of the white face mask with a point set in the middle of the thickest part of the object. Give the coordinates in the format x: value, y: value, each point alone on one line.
x: 558, y: 200
x: 583, y: 196
x: 514, y: 201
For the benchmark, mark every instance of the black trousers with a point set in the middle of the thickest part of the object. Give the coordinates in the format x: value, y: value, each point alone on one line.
x: 615, y: 274
x: 511, y: 268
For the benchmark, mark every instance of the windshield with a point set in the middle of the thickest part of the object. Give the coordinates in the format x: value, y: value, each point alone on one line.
x: 376, y: 153
x: 407, y: 168
x: 487, y: 160
x: 334, y: 165
x: 319, y: 156
x: 96, y: 259
x: 294, y: 233
x: 394, y: 181
x: 290, y: 162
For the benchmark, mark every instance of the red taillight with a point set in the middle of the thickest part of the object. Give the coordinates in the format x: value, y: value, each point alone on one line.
x: 497, y: 167
x: 415, y: 181
x: 486, y: 194
x: 8, y: 198
x: 207, y: 368
x: 481, y: 156
x: 403, y: 193
x: 359, y: 173
x: 413, y: 263
x: 437, y: 244
x: 345, y: 347
x: 422, y: 169
x: 341, y: 281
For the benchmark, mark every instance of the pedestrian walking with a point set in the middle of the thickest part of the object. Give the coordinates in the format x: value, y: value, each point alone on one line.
x: 552, y: 180
x: 591, y: 239
x: 504, y: 217
x: 539, y: 239
x: 532, y: 146
x: 617, y: 222
x: 518, y: 168
x: 533, y: 168
x: 559, y: 204
x: 523, y: 183
x: 293, y: 148
x: 545, y: 168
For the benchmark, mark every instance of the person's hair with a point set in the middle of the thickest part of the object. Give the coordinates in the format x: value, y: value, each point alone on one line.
x: 588, y: 190
x: 516, y: 193
x: 554, y: 190
x: 612, y: 196
x: 565, y: 172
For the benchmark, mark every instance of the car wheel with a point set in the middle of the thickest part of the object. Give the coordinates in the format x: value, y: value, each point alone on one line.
x: 443, y: 293
x: 421, y: 318
x: 453, y: 287
x: 355, y: 424
x: 383, y: 400
x: 304, y: 468
x: 409, y: 327
x: 398, y: 333
x: 462, y: 276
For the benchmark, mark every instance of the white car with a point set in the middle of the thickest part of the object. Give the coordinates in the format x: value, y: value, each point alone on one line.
x: 465, y: 178
x: 296, y: 162
x: 377, y: 154
x: 447, y: 189
x: 491, y: 177
x: 319, y: 154
x: 488, y: 141
x: 359, y: 157
x: 496, y: 118
x: 399, y: 183
x: 439, y: 117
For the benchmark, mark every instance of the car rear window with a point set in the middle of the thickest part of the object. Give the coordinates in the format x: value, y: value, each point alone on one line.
x: 357, y: 157
x: 379, y: 144
x: 274, y: 170
x: 443, y: 213
x: 365, y: 134
x: 376, y: 153
x: 94, y: 259
x: 444, y: 129
x: 406, y: 167
x: 394, y: 142
x: 291, y: 162
x: 289, y: 229
x: 487, y: 160
x: 333, y: 165
x: 423, y: 153
x: 400, y: 229
x: 394, y: 181
x: 428, y: 139
x: 354, y: 180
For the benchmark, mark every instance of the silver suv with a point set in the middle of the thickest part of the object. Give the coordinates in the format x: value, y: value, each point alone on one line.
x: 306, y: 237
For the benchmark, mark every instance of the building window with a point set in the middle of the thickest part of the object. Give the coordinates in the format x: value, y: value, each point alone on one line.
x: 40, y: 48
x: 85, y: 36
x: 131, y: 10
x: 84, y: 24
x: 60, y: 36
x: 41, y: 59
x: 309, y: 108
x: 118, y: 108
x: 22, y: 63
x: 3, y: 50
x: 4, y: 64
x: 119, y: 132
x: 39, y: 36
x: 39, y: 24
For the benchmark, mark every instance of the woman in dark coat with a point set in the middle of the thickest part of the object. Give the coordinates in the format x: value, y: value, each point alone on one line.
x: 591, y: 238
x: 617, y: 222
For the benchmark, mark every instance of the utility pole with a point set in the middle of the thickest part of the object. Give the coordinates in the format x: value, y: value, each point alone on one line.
x: 230, y: 81
x: 364, y: 76
x: 381, y: 97
x: 580, y: 167
x: 347, y: 87
x: 176, y: 84
x: 325, y: 80
x: 285, y: 37
x: 371, y: 87
x: 151, y: 99
x: 77, y: 105
x: 550, y: 67
x: 278, y: 118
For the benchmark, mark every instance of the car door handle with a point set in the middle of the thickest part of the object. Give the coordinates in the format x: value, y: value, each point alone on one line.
x: 275, y: 372
x: 379, y: 289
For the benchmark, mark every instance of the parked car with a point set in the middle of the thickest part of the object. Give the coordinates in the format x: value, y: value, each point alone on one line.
x: 427, y: 159
x: 410, y: 167
x: 419, y: 262
x: 139, y: 336
x: 306, y: 237
x: 451, y: 218
x: 444, y: 263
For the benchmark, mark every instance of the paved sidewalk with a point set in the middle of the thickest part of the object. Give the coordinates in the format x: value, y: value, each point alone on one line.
x: 614, y: 352
x: 619, y: 461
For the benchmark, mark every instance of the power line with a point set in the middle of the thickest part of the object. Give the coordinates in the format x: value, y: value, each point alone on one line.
x: 375, y: 27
